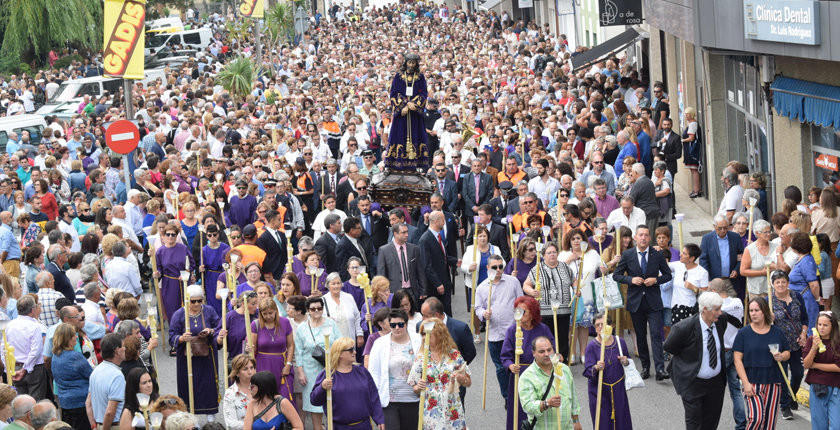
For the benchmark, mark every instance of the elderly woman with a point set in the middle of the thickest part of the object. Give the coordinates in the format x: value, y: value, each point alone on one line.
x: 740, y: 225
x: 483, y: 250
x: 803, y: 275
x: 790, y: 317
x: 341, y: 308
x: 309, y: 338
x: 390, y: 363
x: 7, y: 394
x: 311, y: 282
x: 171, y: 259
x: 238, y: 394
x: 755, y: 258
x: 71, y: 372
x: 381, y: 294
x: 664, y: 192
x: 195, y: 324
x: 556, y: 288
x: 749, y: 194
x: 615, y: 408
x: 583, y: 267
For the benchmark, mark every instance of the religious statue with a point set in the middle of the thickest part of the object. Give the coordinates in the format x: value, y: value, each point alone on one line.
x: 407, y: 150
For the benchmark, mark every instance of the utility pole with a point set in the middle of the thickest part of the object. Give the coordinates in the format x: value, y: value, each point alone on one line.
x: 257, y: 32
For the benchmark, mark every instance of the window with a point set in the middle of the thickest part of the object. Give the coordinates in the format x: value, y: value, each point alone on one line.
x: 4, y: 138
x: 35, y: 132
x: 112, y: 85
x: 192, y: 38
x: 825, y: 142
x: 89, y: 89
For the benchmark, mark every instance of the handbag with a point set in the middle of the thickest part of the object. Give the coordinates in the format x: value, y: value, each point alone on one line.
x: 632, y: 377
x: 614, y: 298
x: 200, y: 347
x: 318, y: 352
x: 276, y: 403
x: 529, y: 425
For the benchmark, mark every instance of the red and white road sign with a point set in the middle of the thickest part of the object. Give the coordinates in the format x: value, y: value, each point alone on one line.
x: 122, y: 136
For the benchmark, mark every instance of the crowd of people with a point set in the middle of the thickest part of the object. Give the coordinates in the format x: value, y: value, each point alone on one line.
x: 250, y: 238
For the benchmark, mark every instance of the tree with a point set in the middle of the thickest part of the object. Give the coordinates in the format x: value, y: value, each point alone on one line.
x: 280, y: 23
x: 237, y: 77
x: 32, y: 27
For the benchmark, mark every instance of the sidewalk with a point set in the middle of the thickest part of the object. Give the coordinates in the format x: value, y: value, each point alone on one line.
x: 696, y: 223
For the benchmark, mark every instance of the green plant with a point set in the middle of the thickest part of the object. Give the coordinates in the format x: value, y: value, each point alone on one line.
x: 280, y: 23
x: 9, y: 64
x: 33, y: 27
x: 65, y: 61
x: 237, y: 77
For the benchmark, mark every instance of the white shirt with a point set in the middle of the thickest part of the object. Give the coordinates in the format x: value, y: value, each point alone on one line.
x: 682, y: 295
x: 542, y: 189
x: 707, y: 372
x: 362, y: 139
x: 734, y: 307
x: 92, y: 312
x: 127, y: 230
x: 732, y: 200
x: 346, y: 316
x: 123, y: 276
x: 636, y: 217
x: 69, y: 229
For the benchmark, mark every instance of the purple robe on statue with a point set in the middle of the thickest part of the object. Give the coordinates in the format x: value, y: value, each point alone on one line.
x: 407, y: 148
x: 272, y: 354
x: 525, y: 359
x: 205, y: 369
x: 355, y: 399
x: 170, y: 263
x: 213, y: 259
x: 615, y: 408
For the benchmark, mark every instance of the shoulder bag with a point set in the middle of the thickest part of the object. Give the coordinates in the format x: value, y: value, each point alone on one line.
x: 529, y: 425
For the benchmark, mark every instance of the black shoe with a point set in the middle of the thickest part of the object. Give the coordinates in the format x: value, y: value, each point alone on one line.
x: 794, y: 406
x: 645, y: 373
x: 693, y: 195
x: 172, y: 352
x: 787, y: 414
x: 660, y: 375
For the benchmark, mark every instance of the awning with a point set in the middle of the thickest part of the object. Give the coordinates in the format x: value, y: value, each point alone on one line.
x: 807, y: 101
x: 606, y: 49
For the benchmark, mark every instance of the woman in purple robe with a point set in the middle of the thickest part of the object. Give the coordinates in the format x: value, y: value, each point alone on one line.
x: 355, y: 396
x: 615, y: 409
x: 214, y: 257
x: 236, y: 323
x: 171, y: 259
x: 310, y: 274
x: 253, y: 273
x: 532, y: 328
x: 201, y: 332
x: 407, y: 147
x: 380, y: 288
x: 275, y: 346
x: 304, y: 245
x: 352, y: 286
x: 526, y: 259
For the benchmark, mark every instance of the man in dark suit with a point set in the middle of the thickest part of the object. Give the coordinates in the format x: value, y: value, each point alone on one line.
x: 669, y: 145
x: 451, y: 232
x: 374, y: 228
x: 332, y: 178
x: 273, y: 242
x: 401, y: 262
x: 397, y: 216
x: 721, y: 251
x: 476, y: 190
x: 459, y: 330
x: 439, y: 261
x: 351, y: 245
x: 644, y: 271
x: 430, y: 116
x: 459, y: 171
x: 699, y: 363
x: 498, y: 233
x: 325, y: 245
x: 643, y: 193
x: 345, y: 189
x: 57, y: 255
x: 501, y: 204
x: 361, y: 188
x: 446, y: 187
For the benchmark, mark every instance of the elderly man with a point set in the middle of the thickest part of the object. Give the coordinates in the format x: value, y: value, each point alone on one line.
x: 9, y: 248
x: 122, y: 274
x: 25, y: 334
x: 628, y: 149
x: 47, y: 297
x: 643, y: 193
x: 627, y: 215
x: 438, y: 260
x: 598, y: 171
x: 92, y: 293
x: 43, y: 413
x: 120, y: 218
x: 135, y: 213
x: 22, y: 406
x: 721, y: 253
x: 732, y: 201
x: 57, y: 255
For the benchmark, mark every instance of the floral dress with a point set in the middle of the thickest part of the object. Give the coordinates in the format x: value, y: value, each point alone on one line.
x: 443, y: 404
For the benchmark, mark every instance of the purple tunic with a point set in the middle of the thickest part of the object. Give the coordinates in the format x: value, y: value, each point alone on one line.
x: 373, y: 308
x: 272, y: 354
x: 355, y: 399
x: 205, y: 369
x: 213, y: 259
x: 522, y: 269
x: 242, y: 211
x: 357, y: 292
x: 170, y: 263
x: 306, y: 283
x: 236, y: 332
x: 525, y: 359
x: 245, y: 286
x: 615, y: 409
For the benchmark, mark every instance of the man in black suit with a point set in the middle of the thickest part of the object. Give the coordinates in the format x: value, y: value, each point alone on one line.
x: 669, y: 145
x: 361, y: 187
x: 397, y: 216
x: 273, y: 242
x: 430, y: 116
x: 345, y: 188
x: 439, y: 261
x: 459, y: 171
x: 446, y: 187
x: 501, y: 204
x: 476, y: 189
x: 498, y: 233
x: 401, y: 262
x: 459, y: 330
x: 643, y: 193
x: 373, y: 226
x: 451, y: 232
x: 644, y: 271
x: 352, y: 245
x: 325, y: 245
x: 332, y: 179
x: 699, y: 363
x: 57, y: 255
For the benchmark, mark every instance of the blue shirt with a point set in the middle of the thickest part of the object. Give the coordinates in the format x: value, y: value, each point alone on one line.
x: 8, y: 243
x: 70, y: 375
x: 107, y: 383
x: 723, y: 246
x: 629, y: 149
x: 11, y: 147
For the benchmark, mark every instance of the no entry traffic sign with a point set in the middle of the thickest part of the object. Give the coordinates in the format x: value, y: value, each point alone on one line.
x: 122, y: 136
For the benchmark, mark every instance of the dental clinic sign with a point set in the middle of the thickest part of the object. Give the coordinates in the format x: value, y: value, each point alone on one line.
x: 787, y: 21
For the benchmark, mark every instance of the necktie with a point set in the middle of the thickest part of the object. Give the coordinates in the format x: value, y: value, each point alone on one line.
x: 644, y: 263
x: 440, y: 242
x: 477, y: 180
x: 441, y: 187
x: 279, y: 237
x: 404, y: 263
x: 332, y: 184
x: 367, y: 223
x: 710, y: 345
x: 361, y: 251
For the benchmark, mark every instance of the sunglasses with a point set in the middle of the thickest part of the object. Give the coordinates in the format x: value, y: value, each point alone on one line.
x: 316, y: 309
x: 499, y: 267
x: 353, y: 350
x: 212, y: 234
x: 171, y: 234
x: 563, y: 195
x: 196, y: 301
x: 531, y: 249
x: 440, y: 170
x: 235, y: 237
x: 397, y: 324
x: 361, y: 188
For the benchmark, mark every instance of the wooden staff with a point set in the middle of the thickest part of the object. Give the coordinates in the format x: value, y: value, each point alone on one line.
x: 155, y: 283
x: 151, y: 316
x: 572, y: 344
x: 554, y: 307
x: 201, y: 253
x: 289, y: 250
x: 558, y: 382
x: 752, y: 202
x: 606, y: 332
x: 427, y: 327
x: 512, y: 241
x: 517, y: 316
x: 618, y: 239
x: 537, y: 276
x: 223, y: 293
x: 679, y: 218
x: 10, y: 355
x: 247, y: 325
x: 769, y: 293
x: 185, y: 276
x: 323, y: 177
x: 475, y: 260
x: 364, y: 281
x: 328, y: 376
x: 486, y: 343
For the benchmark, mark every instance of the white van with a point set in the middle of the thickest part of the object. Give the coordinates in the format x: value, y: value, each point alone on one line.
x: 34, y: 124
x: 169, y: 24
x: 197, y: 39
x: 94, y: 86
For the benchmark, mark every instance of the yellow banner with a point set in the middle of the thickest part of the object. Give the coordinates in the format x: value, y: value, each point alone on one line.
x: 125, y: 22
x: 251, y: 8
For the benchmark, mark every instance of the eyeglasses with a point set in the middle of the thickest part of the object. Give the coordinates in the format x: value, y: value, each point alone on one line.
x: 563, y: 195
x: 531, y: 249
x: 84, y: 210
x: 212, y: 234
x: 261, y: 212
x: 195, y: 301
x: 242, y: 188
x: 597, y: 162
x: 527, y: 202
x: 353, y: 350
x: 440, y: 170
x: 170, y: 234
x: 397, y: 324
x: 169, y: 402
x: 235, y: 237
x: 361, y: 188
x: 316, y: 309
x: 499, y: 267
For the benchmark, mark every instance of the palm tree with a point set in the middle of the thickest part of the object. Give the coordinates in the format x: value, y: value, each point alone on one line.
x: 280, y: 23
x: 32, y: 27
x: 237, y: 77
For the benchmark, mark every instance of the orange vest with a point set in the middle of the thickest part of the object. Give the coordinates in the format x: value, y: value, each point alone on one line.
x: 251, y: 253
x: 520, y: 220
x: 503, y: 176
